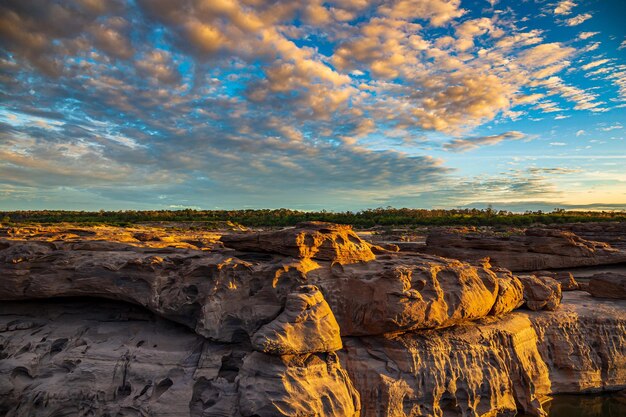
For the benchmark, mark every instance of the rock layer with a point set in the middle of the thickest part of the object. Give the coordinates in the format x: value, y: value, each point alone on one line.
x: 492, y: 366
x: 259, y: 330
x: 227, y: 294
x: 102, y: 358
x: 529, y: 250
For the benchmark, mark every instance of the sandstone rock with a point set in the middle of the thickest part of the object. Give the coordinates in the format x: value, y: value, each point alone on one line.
x: 228, y: 295
x: 307, y: 325
x: 608, y: 285
x: 102, y: 358
x: 566, y: 279
x: 613, y: 233
x: 492, y: 366
x: 510, y: 293
x: 529, y: 250
x: 316, y: 240
x: 541, y: 293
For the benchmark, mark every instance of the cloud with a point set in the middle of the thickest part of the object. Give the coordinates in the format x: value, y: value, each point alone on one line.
x: 464, y: 145
x: 564, y: 7
x: 304, y: 101
x: 577, y: 20
x: 615, y: 126
x: 587, y: 35
x: 594, y: 64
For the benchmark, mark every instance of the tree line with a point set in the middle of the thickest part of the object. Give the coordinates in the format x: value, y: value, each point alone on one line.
x: 388, y: 216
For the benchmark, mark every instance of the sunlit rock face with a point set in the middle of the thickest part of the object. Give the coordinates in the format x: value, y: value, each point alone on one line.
x: 494, y: 366
x: 308, y: 321
x: 528, y: 250
x: 541, y: 293
x: 227, y: 294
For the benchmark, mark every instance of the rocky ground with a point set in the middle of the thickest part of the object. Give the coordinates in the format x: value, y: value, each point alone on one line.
x: 305, y: 321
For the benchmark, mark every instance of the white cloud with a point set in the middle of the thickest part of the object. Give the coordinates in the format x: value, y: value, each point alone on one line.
x: 564, y: 7
x: 577, y: 20
x: 587, y: 35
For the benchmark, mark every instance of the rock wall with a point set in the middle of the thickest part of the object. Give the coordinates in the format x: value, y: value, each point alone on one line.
x: 492, y: 366
x: 308, y: 321
x: 528, y: 250
x: 99, y: 358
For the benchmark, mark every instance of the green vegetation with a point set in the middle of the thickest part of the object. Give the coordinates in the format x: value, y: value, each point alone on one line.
x: 285, y: 217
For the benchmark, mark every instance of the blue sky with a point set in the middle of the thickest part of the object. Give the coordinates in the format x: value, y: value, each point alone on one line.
x: 337, y: 105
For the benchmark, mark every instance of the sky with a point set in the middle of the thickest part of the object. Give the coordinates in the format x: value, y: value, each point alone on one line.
x: 311, y: 104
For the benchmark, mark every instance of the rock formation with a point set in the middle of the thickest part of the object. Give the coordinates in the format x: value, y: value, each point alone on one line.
x: 310, y: 320
x: 496, y: 366
x: 528, y: 250
x: 101, y: 358
x: 225, y: 295
x: 607, y: 285
x: 566, y: 279
x: 541, y: 293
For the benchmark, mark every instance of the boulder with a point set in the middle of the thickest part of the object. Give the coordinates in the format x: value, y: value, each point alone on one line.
x: 315, y: 240
x: 608, y: 285
x: 541, y: 293
x: 566, y: 279
x: 306, y: 325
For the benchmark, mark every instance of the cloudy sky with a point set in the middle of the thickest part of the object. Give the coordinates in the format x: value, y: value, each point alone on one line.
x: 312, y: 104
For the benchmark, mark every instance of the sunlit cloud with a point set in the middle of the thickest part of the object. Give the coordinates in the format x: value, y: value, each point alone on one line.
x: 298, y: 103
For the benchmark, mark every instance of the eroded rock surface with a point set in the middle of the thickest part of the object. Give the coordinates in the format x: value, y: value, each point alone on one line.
x: 492, y: 366
x: 566, y: 279
x: 102, y: 358
x: 316, y: 240
x: 541, y: 293
x: 306, y: 325
x: 526, y: 250
x: 261, y: 324
x: 228, y: 294
x: 607, y: 285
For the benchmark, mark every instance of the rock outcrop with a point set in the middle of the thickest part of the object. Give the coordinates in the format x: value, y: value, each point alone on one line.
x: 607, y: 285
x: 302, y: 321
x: 227, y: 295
x: 306, y: 325
x: 528, y: 250
x: 492, y: 366
x: 101, y: 358
x: 613, y: 233
x: 566, y: 279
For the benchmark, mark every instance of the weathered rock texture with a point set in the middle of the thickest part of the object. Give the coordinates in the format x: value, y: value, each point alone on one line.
x: 529, y: 250
x: 103, y: 358
x: 227, y: 295
x: 613, y: 233
x: 541, y: 293
x: 255, y: 328
x: 607, y: 285
x: 493, y: 366
x: 566, y: 279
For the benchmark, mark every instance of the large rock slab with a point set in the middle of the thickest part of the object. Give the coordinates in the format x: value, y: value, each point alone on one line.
x: 316, y: 240
x: 522, y: 250
x: 494, y: 366
x: 103, y: 358
x: 608, y: 285
x: 228, y: 295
